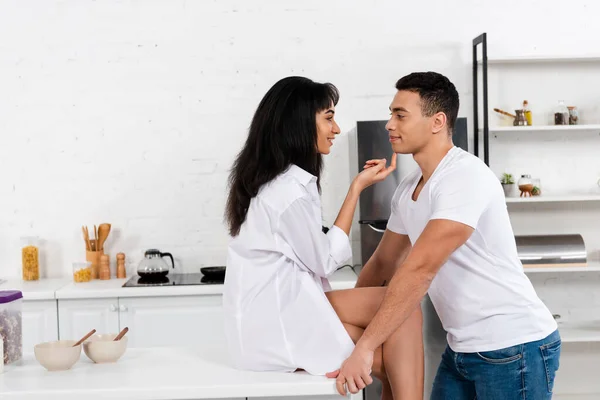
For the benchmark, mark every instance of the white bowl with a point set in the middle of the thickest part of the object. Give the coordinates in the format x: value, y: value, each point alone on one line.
x: 57, y: 356
x: 103, y: 349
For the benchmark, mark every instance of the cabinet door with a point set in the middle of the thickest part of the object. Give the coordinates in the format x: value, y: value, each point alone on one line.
x: 78, y: 317
x: 172, y: 321
x: 40, y: 323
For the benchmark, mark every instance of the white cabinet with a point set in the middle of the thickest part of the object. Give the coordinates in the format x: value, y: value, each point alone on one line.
x: 40, y: 323
x: 78, y: 317
x: 171, y: 321
x: 180, y: 321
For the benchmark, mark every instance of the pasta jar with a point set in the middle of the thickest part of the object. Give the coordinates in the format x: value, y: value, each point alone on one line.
x: 30, y: 258
x: 82, y: 271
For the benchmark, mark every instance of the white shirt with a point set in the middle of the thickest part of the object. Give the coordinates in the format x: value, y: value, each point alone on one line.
x: 277, y: 317
x: 481, y: 294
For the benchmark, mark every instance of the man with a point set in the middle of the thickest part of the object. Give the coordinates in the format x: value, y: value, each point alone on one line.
x: 450, y: 228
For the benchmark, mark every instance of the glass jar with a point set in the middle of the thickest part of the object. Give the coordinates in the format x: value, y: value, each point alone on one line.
x: 30, y: 259
x: 561, y: 114
x: 82, y: 271
x: 573, y: 115
x: 525, y: 184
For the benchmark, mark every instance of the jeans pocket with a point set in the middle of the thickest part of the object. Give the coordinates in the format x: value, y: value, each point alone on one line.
x: 551, y: 357
x: 502, y: 356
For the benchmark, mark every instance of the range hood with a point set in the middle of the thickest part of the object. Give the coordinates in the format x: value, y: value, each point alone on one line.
x: 552, y: 251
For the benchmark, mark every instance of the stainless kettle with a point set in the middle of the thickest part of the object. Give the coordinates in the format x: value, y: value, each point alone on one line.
x: 153, y: 266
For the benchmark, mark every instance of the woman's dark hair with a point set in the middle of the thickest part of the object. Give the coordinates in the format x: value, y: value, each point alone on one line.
x: 283, y: 132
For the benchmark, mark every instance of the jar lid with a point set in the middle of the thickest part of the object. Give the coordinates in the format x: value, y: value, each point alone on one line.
x: 7, y: 296
x: 526, y: 176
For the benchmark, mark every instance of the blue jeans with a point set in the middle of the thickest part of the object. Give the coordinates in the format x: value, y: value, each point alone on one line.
x: 522, y: 372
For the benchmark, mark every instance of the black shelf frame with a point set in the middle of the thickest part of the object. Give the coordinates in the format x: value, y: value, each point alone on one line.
x: 481, y: 40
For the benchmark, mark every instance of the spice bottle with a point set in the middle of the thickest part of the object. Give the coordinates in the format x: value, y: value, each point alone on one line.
x: 121, y: 266
x: 104, y: 271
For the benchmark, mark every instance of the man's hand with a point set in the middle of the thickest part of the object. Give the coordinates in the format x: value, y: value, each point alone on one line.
x: 355, y: 372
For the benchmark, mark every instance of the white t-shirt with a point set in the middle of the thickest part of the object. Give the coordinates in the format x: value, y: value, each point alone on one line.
x: 481, y: 294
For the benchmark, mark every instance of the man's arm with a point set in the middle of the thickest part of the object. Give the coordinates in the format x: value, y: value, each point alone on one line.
x: 410, y: 283
x: 389, y: 254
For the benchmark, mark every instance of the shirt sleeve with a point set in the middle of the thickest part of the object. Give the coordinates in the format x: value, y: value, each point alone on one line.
x: 395, y: 223
x: 462, y: 198
x: 303, y: 240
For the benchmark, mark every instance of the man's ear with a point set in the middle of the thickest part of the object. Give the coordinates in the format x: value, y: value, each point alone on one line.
x: 439, y: 122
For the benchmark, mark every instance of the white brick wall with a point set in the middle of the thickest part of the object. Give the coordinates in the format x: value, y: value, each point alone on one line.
x: 132, y: 112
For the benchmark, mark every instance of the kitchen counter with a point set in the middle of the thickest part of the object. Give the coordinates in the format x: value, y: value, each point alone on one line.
x: 50, y: 289
x: 342, y: 279
x: 44, y: 289
x: 157, y: 374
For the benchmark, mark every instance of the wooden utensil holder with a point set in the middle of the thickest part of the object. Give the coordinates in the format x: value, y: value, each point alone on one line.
x: 94, y: 258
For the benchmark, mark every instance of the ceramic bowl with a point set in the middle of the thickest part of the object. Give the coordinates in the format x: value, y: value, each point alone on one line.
x: 103, y: 349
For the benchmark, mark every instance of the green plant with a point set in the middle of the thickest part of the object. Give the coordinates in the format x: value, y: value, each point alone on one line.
x: 507, y: 179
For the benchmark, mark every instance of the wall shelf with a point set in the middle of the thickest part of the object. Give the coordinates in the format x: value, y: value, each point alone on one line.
x: 591, y: 267
x: 546, y: 128
x: 554, y: 198
x: 578, y: 333
x: 542, y: 59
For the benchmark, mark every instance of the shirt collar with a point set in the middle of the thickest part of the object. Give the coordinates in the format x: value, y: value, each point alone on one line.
x: 304, y: 177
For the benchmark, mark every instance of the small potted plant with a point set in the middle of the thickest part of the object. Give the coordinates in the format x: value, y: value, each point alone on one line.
x: 508, y: 184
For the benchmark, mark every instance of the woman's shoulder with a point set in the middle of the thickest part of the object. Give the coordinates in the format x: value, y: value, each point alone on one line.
x: 282, y: 191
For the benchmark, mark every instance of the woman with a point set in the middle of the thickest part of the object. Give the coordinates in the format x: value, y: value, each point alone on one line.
x: 280, y: 312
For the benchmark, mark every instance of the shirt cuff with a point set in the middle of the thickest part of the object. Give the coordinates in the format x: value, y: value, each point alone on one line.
x: 339, y: 245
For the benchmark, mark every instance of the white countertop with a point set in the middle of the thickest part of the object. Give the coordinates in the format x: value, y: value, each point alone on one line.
x: 45, y: 289
x: 342, y: 279
x: 157, y: 374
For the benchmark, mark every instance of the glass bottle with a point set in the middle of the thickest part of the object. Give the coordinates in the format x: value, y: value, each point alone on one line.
x: 527, y: 112
x: 561, y: 114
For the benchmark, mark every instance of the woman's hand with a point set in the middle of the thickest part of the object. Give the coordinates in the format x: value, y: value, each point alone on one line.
x: 374, y: 171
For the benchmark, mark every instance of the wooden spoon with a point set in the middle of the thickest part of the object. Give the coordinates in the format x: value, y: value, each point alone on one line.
x: 121, y: 334
x: 90, y: 333
x: 86, y: 238
x: 103, y: 232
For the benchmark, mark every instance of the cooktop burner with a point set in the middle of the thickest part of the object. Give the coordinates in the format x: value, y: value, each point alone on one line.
x: 172, y: 280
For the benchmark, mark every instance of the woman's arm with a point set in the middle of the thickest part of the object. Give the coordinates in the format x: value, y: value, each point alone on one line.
x: 375, y: 171
x: 310, y: 248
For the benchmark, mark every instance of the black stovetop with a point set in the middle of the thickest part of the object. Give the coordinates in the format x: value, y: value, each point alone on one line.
x: 173, y: 280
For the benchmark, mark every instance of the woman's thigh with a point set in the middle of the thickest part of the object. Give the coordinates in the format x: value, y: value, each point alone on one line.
x: 356, y: 306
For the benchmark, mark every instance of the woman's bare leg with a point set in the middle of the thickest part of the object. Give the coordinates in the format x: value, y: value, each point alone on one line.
x: 403, y: 358
x: 378, y: 368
